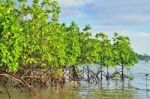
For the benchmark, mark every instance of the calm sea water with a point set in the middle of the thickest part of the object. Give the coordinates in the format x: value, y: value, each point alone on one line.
x: 112, y: 90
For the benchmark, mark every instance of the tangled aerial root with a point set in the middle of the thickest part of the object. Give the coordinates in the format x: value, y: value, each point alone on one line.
x: 27, y: 78
x: 21, y: 81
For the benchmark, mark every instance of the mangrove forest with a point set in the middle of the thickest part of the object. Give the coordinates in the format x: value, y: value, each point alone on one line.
x: 36, y: 50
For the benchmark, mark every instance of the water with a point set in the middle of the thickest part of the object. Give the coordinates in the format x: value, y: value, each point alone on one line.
x: 137, y: 89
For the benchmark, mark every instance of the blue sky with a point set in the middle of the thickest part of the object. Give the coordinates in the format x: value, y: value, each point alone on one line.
x: 127, y: 17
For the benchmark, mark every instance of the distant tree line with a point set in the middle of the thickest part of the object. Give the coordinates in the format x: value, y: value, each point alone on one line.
x: 144, y: 57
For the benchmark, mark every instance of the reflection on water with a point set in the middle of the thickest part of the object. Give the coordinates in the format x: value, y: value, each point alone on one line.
x: 71, y: 93
x: 111, y: 94
x: 112, y: 90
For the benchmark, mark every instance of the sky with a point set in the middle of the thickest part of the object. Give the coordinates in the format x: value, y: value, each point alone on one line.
x: 127, y: 17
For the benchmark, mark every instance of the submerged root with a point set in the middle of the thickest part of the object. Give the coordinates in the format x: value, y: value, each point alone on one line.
x: 21, y: 81
x: 27, y: 79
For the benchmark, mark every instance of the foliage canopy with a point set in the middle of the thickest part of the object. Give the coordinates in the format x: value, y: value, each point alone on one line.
x: 31, y: 36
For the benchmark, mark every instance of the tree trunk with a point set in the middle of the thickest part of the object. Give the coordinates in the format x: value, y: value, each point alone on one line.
x: 122, y: 72
x: 107, y: 77
x: 74, y: 74
x: 88, y: 75
x: 101, y: 73
x: 146, y: 84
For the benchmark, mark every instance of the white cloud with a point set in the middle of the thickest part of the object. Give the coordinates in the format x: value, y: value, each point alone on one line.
x: 139, y: 40
x: 73, y: 13
x: 70, y: 8
x: 136, y: 19
x: 109, y: 16
x: 73, y: 3
x: 122, y: 11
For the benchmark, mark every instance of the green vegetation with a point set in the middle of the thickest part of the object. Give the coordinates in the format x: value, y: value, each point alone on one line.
x: 31, y: 38
x: 124, y: 55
